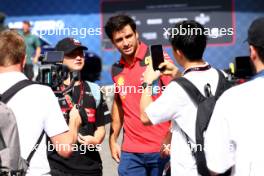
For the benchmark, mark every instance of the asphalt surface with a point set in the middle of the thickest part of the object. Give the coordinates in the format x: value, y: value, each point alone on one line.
x: 109, y: 165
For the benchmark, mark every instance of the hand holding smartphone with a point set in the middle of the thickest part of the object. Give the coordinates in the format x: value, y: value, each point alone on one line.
x: 156, y: 53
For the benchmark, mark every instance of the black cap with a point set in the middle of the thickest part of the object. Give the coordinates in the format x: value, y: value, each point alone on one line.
x: 67, y: 45
x: 256, y: 33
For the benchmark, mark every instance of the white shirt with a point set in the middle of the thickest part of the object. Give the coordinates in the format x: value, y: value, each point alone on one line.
x: 235, y: 132
x: 175, y: 104
x: 35, y: 108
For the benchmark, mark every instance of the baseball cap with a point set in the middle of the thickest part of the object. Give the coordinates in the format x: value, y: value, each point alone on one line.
x: 256, y: 33
x: 67, y: 45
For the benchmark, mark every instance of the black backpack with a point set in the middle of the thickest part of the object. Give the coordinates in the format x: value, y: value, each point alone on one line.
x: 11, y: 162
x: 205, y: 107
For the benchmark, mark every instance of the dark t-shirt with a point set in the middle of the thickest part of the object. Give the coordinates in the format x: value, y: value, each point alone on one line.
x: 84, y: 160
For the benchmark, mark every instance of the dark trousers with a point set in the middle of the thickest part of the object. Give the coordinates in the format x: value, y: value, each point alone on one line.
x: 28, y: 70
x: 141, y: 164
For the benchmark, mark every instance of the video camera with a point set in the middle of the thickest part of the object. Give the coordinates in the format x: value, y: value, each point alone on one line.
x: 52, y: 72
x: 240, y: 70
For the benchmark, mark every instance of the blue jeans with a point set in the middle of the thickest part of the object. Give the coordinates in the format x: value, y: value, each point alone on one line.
x: 141, y: 164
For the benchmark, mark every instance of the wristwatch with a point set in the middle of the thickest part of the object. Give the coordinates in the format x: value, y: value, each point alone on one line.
x: 145, y: 85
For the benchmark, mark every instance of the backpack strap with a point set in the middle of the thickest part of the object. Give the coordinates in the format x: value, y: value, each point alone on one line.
x: 2, y: 143
x: 197, y: 97
x: 95, y: 90
x: 9, y: 93
x: 190, y: 89
x: 223, y: 84
x: 35, y: 147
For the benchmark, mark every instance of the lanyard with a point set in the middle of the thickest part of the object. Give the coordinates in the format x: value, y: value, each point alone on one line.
x: 202, y: 68
x: 68, y: 98
x: 259, y: 74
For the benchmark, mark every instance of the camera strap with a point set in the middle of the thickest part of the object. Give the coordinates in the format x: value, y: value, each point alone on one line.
x: 68, y: 98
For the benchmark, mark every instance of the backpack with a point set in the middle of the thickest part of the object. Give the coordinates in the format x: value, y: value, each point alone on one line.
x: 205, y: 107
x: 11, y: 162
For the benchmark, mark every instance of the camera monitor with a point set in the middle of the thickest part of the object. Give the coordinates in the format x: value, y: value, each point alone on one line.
x: 243, y: 67
x: 53, y: 57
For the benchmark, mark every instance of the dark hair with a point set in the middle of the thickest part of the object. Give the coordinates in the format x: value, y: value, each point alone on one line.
x: 92, y: 67
x: 260, y: 51
x: 192, y: 43
x: 12, y: 48
x: 117, y: 23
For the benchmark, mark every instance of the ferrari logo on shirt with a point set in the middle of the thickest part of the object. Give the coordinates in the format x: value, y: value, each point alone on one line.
x: 120, y: 81
x: 147, y: 60
x: 120, y: 84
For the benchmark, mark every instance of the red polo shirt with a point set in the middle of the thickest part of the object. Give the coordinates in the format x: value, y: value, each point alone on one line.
x: 128, y: 79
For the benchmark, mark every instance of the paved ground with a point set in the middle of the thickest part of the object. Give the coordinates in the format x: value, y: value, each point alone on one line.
x: 109, y: 165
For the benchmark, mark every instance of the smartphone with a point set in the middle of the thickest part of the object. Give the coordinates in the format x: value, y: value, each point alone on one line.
x: 54, y: 56
x: 156, y: 53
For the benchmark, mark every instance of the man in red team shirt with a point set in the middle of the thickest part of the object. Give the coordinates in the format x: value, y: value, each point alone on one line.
x: 139, y: 154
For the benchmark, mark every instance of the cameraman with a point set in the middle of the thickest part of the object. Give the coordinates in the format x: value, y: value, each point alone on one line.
x: 35, y: 107
x: 92, y: 131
